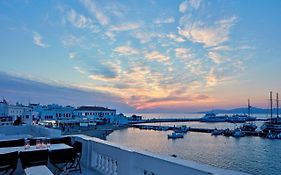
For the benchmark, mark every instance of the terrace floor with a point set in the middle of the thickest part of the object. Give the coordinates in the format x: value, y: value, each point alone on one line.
x: 84, y: 171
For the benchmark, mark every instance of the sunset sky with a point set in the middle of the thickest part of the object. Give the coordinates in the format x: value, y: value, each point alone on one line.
x: 144, y: 56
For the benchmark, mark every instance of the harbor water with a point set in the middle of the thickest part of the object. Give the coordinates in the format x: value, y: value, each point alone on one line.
x: 254, y: 155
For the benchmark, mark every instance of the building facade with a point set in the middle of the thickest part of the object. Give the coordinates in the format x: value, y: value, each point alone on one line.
x: 96, y: 113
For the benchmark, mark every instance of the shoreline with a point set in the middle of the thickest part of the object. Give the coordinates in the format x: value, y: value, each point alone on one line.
x: 99, y: 131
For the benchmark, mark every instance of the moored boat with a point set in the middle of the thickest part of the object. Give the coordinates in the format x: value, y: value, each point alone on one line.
x: 249, y: 126
x: 175, y: 135
x: 272, y: 127
x: 227, y: 132
x: 238, y: 133
x: 216, y: 132
x: 181, y: 129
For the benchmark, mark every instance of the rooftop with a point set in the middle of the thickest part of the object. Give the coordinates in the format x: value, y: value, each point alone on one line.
x: 93, y: 108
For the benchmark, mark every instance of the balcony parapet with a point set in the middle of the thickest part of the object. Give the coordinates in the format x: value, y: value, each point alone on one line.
x: 113, y: 159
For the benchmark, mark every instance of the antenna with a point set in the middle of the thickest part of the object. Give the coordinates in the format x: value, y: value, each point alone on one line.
x: 277, y: 104
x: 271, y: 106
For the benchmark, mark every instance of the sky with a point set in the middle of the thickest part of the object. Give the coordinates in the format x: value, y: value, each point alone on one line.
x: 141, y: 56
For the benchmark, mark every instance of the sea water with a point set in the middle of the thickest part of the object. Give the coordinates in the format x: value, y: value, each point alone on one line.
x: 249, y: 154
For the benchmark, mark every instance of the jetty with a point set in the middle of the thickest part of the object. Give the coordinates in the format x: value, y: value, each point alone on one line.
x: 190, y: 129
x: 166, y: 120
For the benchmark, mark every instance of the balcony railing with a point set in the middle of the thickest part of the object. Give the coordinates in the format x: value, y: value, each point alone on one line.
x: 113, y: 159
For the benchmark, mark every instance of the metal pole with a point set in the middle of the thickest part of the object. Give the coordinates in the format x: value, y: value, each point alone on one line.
x: 249, y: 108
x: 277, y: 104
x: 270, y: 106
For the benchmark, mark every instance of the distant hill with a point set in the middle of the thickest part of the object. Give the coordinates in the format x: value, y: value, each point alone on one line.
x: 254, y: 110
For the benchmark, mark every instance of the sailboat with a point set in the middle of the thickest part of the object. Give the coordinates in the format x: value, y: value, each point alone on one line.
x: 272, y: 127
x: 242, y: 118
x: 249, y: 126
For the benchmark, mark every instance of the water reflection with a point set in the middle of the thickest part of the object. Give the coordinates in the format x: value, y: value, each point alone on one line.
x: 249, y: 154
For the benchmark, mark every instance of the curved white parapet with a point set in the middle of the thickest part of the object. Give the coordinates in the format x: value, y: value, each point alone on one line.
x: 114, y: 159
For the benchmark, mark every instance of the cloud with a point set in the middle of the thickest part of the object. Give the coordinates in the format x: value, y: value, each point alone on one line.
x: 183, y: 6
x: 72, y: 55
x: 15, y: 88
x: 38, y: 40
x: 176, y: 38
x: 183, y: 53
x: 81, y: 71
x: 192, y: 4
x: 209, y: 36
x: 93, y: 8
x: 126, y: 50
x: 165, y: 21
x: 71, y: 41
x: 125, y: 27
x: 156, y: 56
x: 105, y: 70
x: 215, y: 57
x: 80, y: 21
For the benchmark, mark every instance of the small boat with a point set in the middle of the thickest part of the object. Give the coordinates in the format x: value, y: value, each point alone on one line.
x: 249, y: 126
x: 175, y: 135
x: 216, y: 132
x: 181, y: 129
x: 227, y: 132
x: 238, y: 133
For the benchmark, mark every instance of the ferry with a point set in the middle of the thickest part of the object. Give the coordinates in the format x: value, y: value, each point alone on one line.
x: 212, y: 117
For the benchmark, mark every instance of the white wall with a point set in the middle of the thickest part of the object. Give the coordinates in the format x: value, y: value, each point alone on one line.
x: 113, y: 159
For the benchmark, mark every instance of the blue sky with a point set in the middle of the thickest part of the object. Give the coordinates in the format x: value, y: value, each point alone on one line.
x: 149, y: 55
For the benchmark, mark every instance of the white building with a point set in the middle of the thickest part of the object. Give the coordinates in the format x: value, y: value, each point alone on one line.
x: 54, y: 112
x: 9, y: 113
x: 96, y: 113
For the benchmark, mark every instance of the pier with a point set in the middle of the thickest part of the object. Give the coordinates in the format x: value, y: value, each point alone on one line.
x: 191, y: 129
x: 165, y: 120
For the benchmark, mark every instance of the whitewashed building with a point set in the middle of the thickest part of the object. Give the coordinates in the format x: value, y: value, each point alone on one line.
x: 9, y: 113
x: 96, y: 113
x: 54, y: 112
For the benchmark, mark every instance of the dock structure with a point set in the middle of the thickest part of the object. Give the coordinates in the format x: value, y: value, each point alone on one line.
x: 191, y: 129
x: 166, y: 120
x: 163, y: 120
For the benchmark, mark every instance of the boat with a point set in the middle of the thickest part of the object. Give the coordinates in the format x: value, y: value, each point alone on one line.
x: 249, y: 126
x: 216, y: 132
x: 272, y: 127
x: 240, y: 118
x: 212, y: 117
x: 175, y: 135
x: 238, y: 133
x: 227, y: 132
x: 181, y: 129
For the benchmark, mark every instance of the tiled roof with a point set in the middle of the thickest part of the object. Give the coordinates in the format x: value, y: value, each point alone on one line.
x: 93, y: 108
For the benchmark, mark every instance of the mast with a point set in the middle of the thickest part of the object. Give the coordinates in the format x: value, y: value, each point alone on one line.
x: 249, y: 108
x: 271, y: 106
x: 277, y: 104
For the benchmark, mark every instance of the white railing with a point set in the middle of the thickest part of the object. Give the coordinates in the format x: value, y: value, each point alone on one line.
x: 113, y: 159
